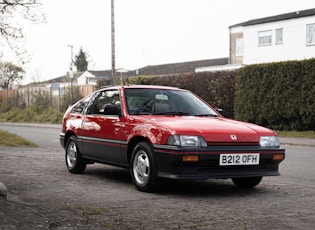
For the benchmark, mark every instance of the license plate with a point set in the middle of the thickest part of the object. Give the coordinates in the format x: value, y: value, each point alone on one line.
x: 239, y: 159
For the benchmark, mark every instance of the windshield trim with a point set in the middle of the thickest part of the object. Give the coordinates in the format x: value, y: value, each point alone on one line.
x: 165, y: 101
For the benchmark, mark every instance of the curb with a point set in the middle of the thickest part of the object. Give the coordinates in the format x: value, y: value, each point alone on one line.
x: 297, y: 141
x: 3, y: 190
x: 44, y: 125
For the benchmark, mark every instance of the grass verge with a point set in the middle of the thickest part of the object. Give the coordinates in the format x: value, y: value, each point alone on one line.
x: 9, y: 139
x: 28, y: 115
x: 296, y: 134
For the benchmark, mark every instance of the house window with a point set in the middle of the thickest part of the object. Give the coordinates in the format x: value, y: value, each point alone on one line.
x: 239, y: 46
x: 279, y: 36
x: 310, y: 34
x: 265, y: 38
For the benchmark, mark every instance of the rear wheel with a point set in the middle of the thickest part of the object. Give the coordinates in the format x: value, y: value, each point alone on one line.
x: 75, y: 163
x: 246, y: 182
x: 143, y: 168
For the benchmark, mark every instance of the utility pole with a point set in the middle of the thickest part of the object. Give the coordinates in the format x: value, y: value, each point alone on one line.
x: 71, y: 75
x: 113, y: 42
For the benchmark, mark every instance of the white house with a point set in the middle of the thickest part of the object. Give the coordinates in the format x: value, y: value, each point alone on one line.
x: 282, y: 37
x: 90, y: 77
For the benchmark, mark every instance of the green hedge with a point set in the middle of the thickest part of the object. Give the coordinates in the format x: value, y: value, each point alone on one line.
x: 217, y: 88
x: 277, y: 95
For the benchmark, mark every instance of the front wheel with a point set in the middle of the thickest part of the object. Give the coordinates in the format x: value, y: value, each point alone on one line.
x: 246, y: 182
x: 75, y: 162
x: 143, y: 168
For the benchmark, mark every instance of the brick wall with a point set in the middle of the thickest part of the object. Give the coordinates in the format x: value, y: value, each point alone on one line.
x: 233, y: 58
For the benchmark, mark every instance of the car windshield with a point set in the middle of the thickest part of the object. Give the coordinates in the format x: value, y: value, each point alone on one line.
x: 166, y: 102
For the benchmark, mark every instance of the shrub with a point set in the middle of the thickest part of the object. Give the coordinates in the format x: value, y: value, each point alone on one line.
x: 277, y: 95
x: 217, y: 88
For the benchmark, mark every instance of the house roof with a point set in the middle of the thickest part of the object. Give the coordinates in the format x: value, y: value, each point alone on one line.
x: 281, y: 17
x: 101, y: 73
x: 64, y: 78
x: 177, y: 68
x: 164, y: 69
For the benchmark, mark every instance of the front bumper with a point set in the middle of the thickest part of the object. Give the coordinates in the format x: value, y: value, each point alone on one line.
x: 171, y: 165
x: 62, y: 140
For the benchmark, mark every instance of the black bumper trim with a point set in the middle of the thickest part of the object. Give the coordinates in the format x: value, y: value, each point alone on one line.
x: 216, y: 175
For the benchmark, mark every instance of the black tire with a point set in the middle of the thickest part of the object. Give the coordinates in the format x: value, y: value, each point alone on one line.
x: 246, y: 182
x: 74, y: 161
x: 143, y: 168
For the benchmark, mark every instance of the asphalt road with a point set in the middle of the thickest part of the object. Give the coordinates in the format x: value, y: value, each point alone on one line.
x: 43, y: 195
x: 44, y: 136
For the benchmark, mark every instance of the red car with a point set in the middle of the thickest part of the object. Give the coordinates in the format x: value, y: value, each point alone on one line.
x: 157, y: 131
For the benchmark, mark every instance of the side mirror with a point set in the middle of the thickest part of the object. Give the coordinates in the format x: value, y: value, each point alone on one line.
x: 112, y: 110
x: 219, y: 110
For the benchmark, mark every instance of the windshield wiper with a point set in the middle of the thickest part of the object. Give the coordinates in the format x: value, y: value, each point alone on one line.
x: 175, y: 113
x: 206, y: 115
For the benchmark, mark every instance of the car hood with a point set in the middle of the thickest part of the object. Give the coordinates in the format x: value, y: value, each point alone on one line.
x: 213, y: 130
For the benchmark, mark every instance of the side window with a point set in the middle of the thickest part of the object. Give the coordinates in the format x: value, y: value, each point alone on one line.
x: 107, y: 103
x: 279, y: 36
x: 239, y: 46
x: 79, y: 108
x: 264, y: 38
x: 310, y: 34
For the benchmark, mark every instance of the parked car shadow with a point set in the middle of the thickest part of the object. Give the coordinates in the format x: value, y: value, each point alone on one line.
x: 109, y: 173
x: 191, y: 188
x: 204, y: 188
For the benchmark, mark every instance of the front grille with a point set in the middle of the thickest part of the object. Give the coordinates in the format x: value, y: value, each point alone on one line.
x: 232, y: 143
x: 213, y: 165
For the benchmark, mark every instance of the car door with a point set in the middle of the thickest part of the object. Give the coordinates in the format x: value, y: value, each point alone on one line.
x: 102, y: 128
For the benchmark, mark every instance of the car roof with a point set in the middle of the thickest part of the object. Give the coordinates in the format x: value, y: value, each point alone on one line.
x: 142, y: 87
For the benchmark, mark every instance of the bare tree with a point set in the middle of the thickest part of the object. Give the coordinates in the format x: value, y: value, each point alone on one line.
x: 12, y: 12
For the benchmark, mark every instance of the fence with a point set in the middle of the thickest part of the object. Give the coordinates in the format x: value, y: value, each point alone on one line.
x: 56, y: 97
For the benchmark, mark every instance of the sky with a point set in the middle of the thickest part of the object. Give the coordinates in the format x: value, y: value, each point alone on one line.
x: 147, y: 32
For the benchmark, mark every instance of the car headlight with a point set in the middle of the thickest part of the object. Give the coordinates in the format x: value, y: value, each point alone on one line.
x: 269, y: 141
x: 186, y: 141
